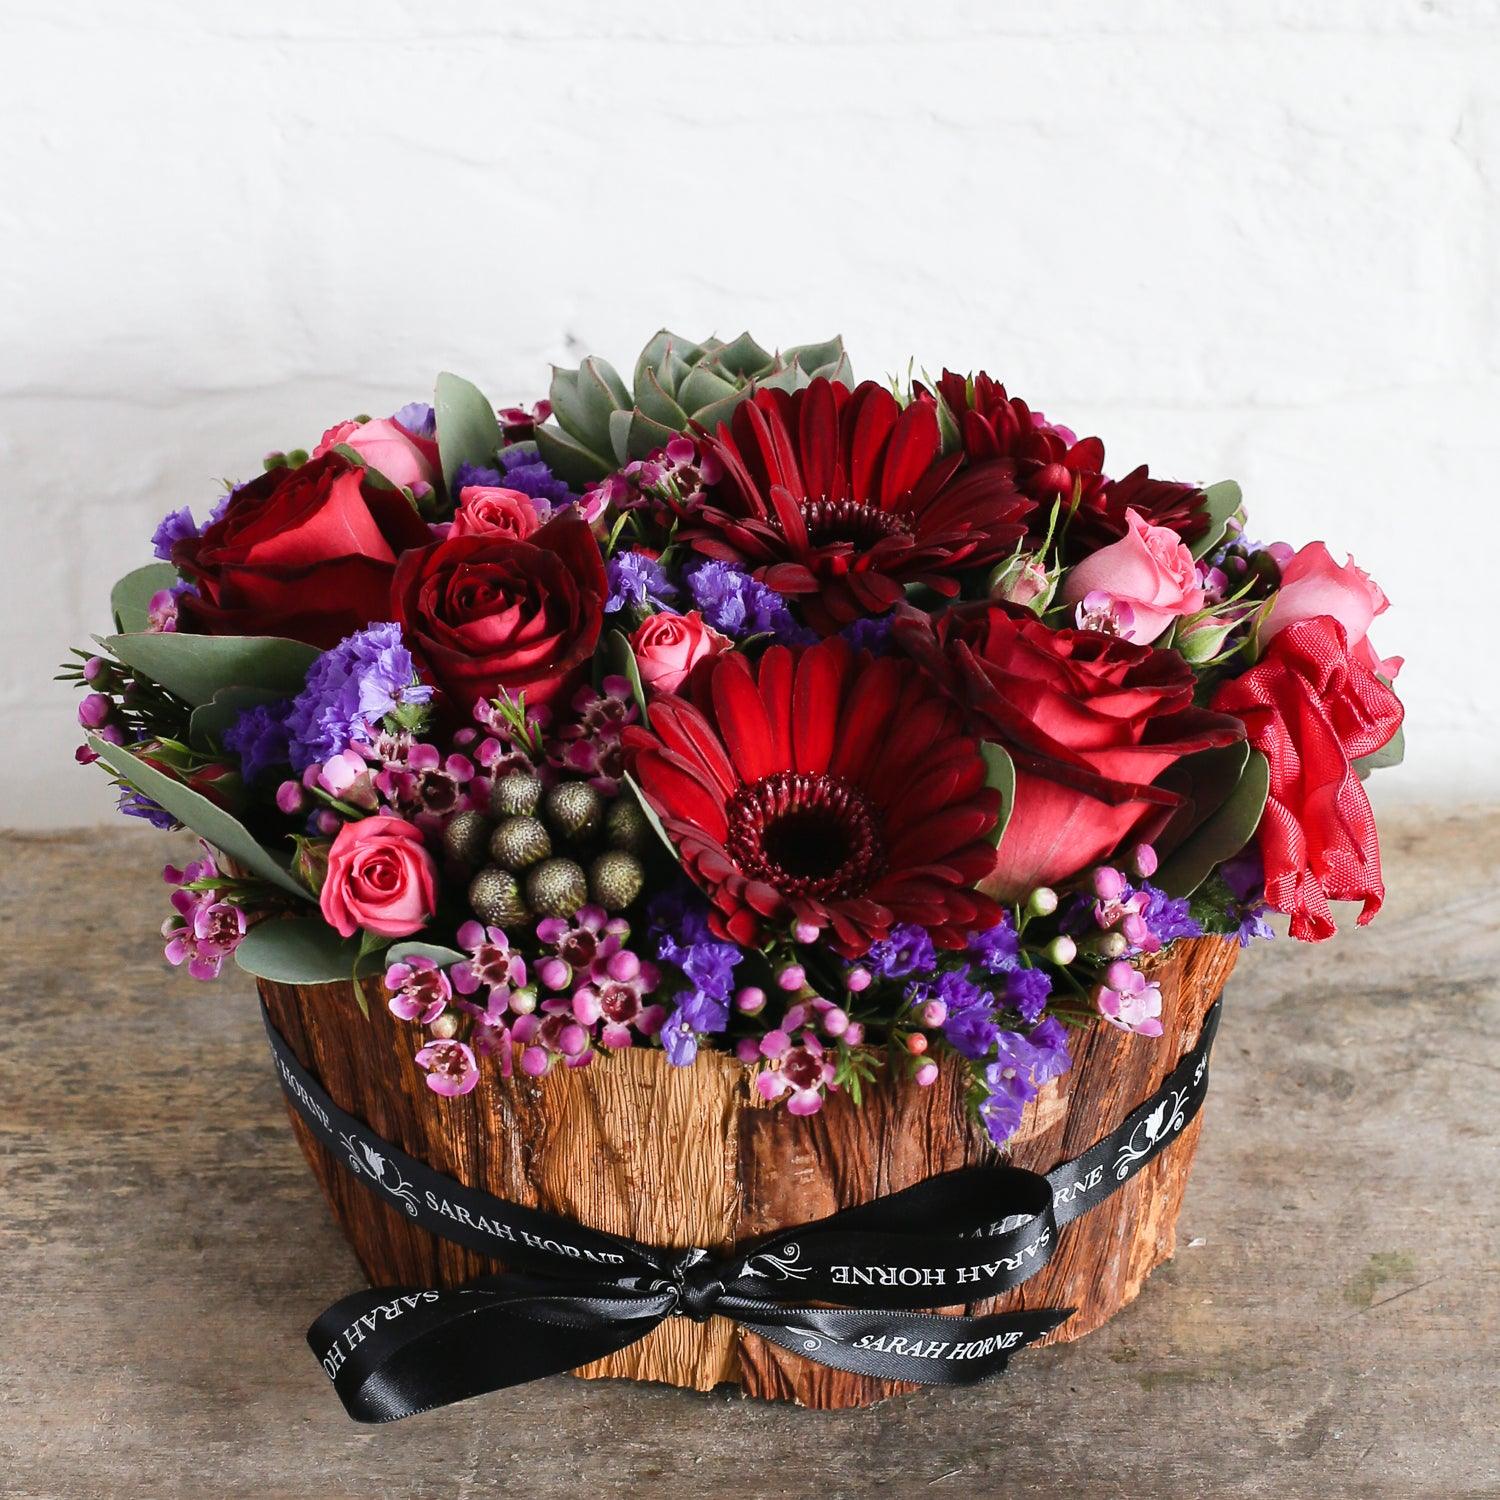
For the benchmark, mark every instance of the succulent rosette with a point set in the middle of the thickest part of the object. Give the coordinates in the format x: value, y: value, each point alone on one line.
x: 840, y: 726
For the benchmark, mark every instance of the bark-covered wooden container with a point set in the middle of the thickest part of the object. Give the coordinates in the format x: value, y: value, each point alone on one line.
x: 693, y: 1156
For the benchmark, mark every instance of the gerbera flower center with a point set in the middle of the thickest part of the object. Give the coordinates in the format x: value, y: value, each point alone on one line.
x: 806, y: 835
x: 832, y: 521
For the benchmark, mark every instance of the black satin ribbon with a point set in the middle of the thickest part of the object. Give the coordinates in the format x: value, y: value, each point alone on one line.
x: 575, y: 1294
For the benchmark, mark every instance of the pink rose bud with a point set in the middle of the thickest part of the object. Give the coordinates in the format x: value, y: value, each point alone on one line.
x: 1148, y: 573
x: 668, y: 647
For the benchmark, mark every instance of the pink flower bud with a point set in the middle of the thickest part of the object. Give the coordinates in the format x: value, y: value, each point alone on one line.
x: 835, y: 1021
x: 857, y: 980
x: 791, y: 977
x: 623, y: 966
x: 289, y: 797
x: 572, y: 1040
x: 1062, y: 950
x: 1043, y: 901
x: 555, y: 973
x: 916, y: 1043
x: 1134, y: 929
x: 746, y: 1050
x: 854, y: 1033
x: 934, y: 1013
x: 94, y: 710
x: 445, y: 1026
x: 534, y: 1062
x: 805, y: 932
x: 1109, y: 883
x: 1143, y: 860
x: 750, y: 1001
x: 1120, y: 975
x: 926, y: 1074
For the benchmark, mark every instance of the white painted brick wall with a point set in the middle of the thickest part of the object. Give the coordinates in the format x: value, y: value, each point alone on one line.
x: 1252, y: 239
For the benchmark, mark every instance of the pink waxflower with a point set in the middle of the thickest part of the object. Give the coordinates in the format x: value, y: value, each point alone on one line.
x: 205, y: 930
x: 796, y: 1067
x: 451, y: 1068
x: 419, y: 990
x: 493, y: 966
x: 1130, y: 1001
x: 1149, y: 569
x: 576, y: 940
x: 161, y: 612
x: 1100, y: 612
x: 613, y: 993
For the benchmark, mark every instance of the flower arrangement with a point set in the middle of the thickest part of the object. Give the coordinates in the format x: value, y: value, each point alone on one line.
x: 842, y: 726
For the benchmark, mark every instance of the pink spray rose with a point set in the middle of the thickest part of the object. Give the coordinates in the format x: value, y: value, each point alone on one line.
x: 388, y: 448
x: 380, y: 878
x: 483, y: 509
x: 668, y: 647
x: 1313, y: 584
x: 1150, y: 570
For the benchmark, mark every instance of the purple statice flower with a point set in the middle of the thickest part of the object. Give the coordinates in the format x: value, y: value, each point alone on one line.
x: 738, y: 605
x: 524, y: 470
x: 1168, y: 918
x: 872, y: 634
x: 136, y: 804
x: 906, y: 950
x: 350, y: 689
x: 176, y: 526
x: 638, y: 581
x: 1245, y: 877
x: 1021, y: 1067
x: 259, y: 737
x: 969, y: 1026
x: 467, y: 476
x: 204, y: 930
x: 679, y: 923
x: 997, y: 949
x: 1027, y: 992
x: 417, y: 418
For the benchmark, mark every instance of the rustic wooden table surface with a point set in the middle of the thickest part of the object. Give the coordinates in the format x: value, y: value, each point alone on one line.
x: 1330, y: 1327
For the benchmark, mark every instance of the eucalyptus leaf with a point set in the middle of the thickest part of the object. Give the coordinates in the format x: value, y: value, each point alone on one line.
x: 403, y: 951
x: 1220, y: 836
x: 297, y: 950
x: 621, y: 658
x: 1000, y: 773
x: 195, y: 667
x: 207, y: 819
x: 468, y: 431
x: 1220, y: 502
x: 649, y: 813
x: 131, y: 596
x: 1392, y: 753
x: 209, y: 721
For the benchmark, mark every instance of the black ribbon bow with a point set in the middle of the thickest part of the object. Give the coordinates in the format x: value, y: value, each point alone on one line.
x: 575, y: 1294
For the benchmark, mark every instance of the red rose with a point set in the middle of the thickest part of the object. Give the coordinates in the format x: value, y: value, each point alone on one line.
x: 488, y: 612
x: 1090, y: 722
x: 1311, y: 709
x: 306, y: 553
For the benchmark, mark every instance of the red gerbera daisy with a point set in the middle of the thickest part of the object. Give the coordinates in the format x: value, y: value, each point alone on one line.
x: 843, y: 497
x: 1048, y: 462
x: 822, y: 786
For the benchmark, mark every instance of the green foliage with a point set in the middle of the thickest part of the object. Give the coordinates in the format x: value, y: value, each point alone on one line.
x: 1220, y: 502
x: 197, y: 667
x: 599, y: 423
x: 131, y: 595
x: 1392, y: 753
x: 207, y: 819
x: 402, y: 951
x: 468, y: 431
x: 297, y: 950
x: 1224, y: 832
x: 1000, y: 773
